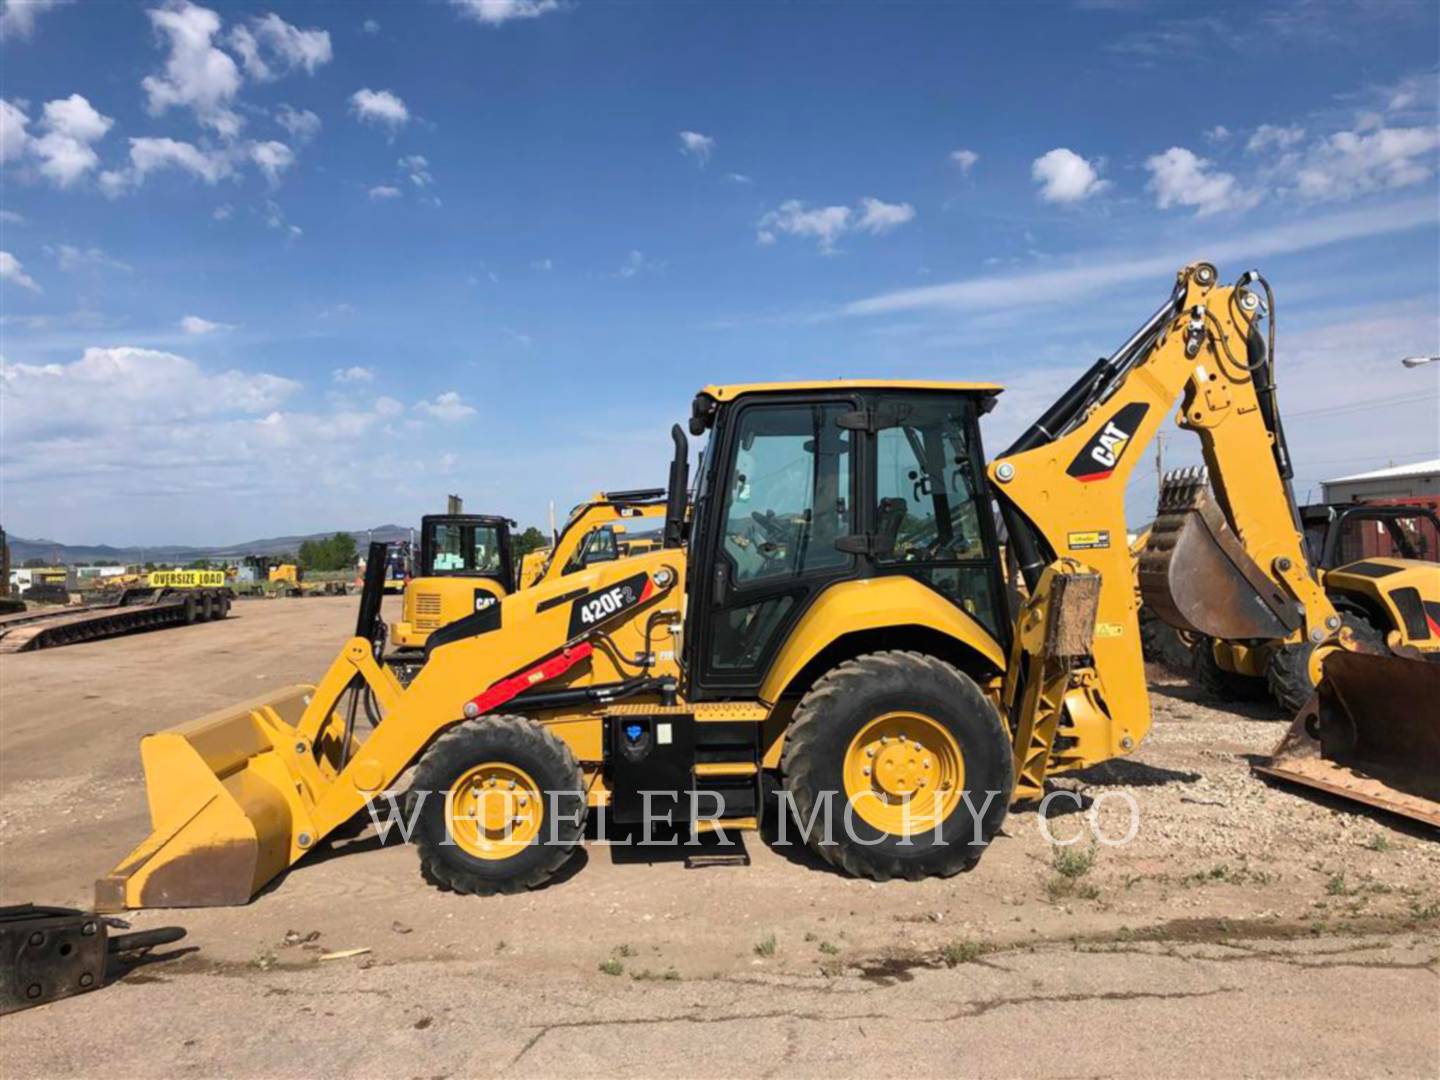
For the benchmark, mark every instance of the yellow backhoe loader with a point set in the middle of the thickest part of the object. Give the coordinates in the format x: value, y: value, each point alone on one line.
x: 830, y: 613
x: 581, y: 541
x: 1378, y: 565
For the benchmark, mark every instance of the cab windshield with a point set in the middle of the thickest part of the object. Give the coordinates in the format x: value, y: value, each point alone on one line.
x: 464, y: 550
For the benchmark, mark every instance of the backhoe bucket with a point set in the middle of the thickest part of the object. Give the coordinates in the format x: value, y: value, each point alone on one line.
x: 1370, y: 733
x: 1196, y: 575
x: 228, y: 798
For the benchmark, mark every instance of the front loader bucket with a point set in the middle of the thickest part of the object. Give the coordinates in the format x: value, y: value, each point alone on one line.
x: 227, y: 807
x: 1370, y: 733
x: 1196, y: 575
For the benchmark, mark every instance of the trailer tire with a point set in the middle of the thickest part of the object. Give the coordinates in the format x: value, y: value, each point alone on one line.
x: 929, y: 735
x: 484, y: 767
x: 189, y: 610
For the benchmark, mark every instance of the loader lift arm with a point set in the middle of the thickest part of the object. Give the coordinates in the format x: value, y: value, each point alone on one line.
x: 1220, y: 567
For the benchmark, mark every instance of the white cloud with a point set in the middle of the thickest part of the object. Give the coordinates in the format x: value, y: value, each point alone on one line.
x: 1271, y: 137
x: 195, y: 325
x: 10, y: 217
x: 447, y: 407
x: 222, y: 212
x: 878, y: 217
x: 270, y: 47
x: 13, y: 271
x: 738, y: 178
x: 496, y: 12
x: 1179, y: 178
x: 1097, y: 271
x: 964, y: 160
x: 380, y: 107
x: 697, y: 146
x: 370, y: 26
x: 273, y: 158
x: 149, y: 155
x: 72, y: 259
x: 1217, y: 134
x: 636, y: 263
x: 1352, y: 163
x: 14, y: 139
x: 67, y: 129
x: 197, y: 75
x: 544, y: 265
x: 826, y: 224
x: 1066, y: 177
x: 137, y: 386
x: 17, y: 17
x: 417, y: 168
x: 353, y: 375
x: 302, y: 124
x: 385, y: 191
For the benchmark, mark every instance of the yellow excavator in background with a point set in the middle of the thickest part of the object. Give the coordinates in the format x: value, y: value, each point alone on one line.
x: 829, y: 615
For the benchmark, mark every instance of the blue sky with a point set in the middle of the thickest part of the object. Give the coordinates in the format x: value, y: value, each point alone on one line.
x: 282, y: 267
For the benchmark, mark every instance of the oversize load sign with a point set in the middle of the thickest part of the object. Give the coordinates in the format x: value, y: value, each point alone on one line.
x: 187, y: 579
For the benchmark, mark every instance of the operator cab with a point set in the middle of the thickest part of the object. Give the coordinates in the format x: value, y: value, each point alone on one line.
x: 806, y: 485
x: 1339, y: 535
x: 466, y: 545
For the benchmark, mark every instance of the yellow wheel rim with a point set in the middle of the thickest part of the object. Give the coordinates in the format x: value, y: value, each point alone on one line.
x: 494, y: 810
x: 904, y: 773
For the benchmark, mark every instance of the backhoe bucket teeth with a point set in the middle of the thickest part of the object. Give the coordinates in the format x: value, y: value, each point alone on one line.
x: 1196, y: 575
x: 1370, y: 733
x: 229, y: 796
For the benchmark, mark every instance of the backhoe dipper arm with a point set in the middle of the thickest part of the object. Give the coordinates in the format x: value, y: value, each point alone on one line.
x: 1062, y: 490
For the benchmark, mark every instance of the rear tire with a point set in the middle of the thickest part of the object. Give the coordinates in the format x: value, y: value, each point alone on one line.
x: 1222, y: 684
x: 1287, y: 675
x: 829, y: 730
x: 453, y: 854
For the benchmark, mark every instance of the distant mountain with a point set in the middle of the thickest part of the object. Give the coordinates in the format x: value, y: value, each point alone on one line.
x: 52, y: 551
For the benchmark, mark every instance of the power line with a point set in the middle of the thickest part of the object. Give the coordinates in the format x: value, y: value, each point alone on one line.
x: 1358, y: 406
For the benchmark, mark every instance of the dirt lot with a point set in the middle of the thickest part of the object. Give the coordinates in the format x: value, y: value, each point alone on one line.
x: 1246, y: 930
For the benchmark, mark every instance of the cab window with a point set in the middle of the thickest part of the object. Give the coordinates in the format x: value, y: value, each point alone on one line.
x: 465, y: 549
x: 927, y: 516
x: 789, y: 493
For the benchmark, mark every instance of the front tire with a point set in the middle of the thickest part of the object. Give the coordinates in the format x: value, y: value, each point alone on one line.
x: 1288, y: 672
x: 504, y: 806
x: 892, y: 730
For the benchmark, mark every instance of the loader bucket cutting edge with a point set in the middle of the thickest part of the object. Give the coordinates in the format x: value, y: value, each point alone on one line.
x: 1371, y: 734
x: 226, y: 805
x: 1196, y: 575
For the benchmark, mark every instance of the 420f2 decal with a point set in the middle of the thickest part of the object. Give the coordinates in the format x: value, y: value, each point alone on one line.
x: 597, y: 607
x: 1102, y: 453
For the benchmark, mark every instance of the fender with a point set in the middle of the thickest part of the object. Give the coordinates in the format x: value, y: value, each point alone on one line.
x: 874, y: 604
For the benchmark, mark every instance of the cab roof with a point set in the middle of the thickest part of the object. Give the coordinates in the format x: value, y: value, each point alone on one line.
x: 732, y: 391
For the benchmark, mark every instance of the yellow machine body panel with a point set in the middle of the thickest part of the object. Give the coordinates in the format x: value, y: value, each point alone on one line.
x: 432, y: 602
x: 532, y: 565
x: 1406, y: 591
x: 285, y: 573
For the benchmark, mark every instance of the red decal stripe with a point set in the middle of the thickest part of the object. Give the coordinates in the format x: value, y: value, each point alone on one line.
x: 1096, y: 476
x: 505, y: 689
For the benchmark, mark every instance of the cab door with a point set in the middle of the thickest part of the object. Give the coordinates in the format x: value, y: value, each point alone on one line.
x: 782, y: 492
